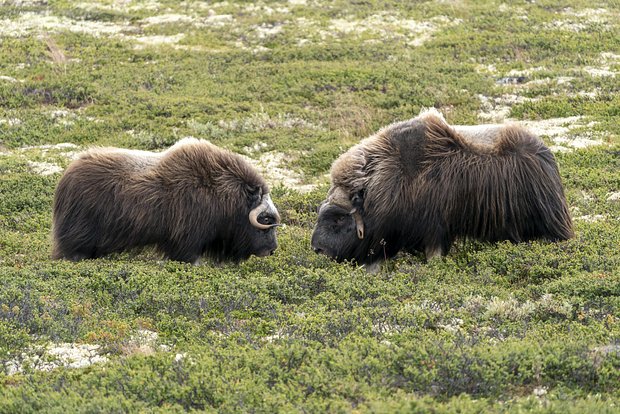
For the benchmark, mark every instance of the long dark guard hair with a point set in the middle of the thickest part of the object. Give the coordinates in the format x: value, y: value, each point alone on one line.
x: 420, y: 184
x: 193, y: 199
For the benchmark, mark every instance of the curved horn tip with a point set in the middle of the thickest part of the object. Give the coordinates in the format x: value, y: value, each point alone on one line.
x: 266, y: 205
x: 359, y: 224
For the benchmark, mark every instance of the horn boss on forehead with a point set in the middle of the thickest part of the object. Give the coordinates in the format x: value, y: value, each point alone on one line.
x: 192, y: 199
x: 420, y: 184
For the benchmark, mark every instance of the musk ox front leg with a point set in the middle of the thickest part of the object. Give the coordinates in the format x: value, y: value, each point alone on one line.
x: 183, y: 255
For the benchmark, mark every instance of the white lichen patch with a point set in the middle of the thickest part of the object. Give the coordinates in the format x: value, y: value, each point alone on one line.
x: 30, y: 22
x: 582, y: 20
x: 72, y: 355
x: 512, y: 309
x: 488, y: 69
x: 44, y: 168
x: 65, y: 149
x: 424, y: 306
x: 167, y: 19
x: 261, y: 121
x: 387, y: 26
x: 613, y: 196
x: 62, y: 146
x: 24, y: 3
x: 259, y: 9
x: 453, y: 325
x: 559, y: 130
x: 218, y: 20
x: 121, y: 5
x: 609, y: 57
x: 143, y: 342
x: 10, y: 79
x: 256, y: 147
x: 539, y: 392
x: 600, y: 72
x: 590, y: 218
x: 56, y: 355
x: 526, y: 72
x: 273, y: 166
x: 11, y: 122
x: 553, y: 127
x: 158, y: 40
x: 265, y: 30
x: 497, y: 109
x: 278, y: 335
x: 509, y: 308
x: 568, y: 143
x: 386, y: 328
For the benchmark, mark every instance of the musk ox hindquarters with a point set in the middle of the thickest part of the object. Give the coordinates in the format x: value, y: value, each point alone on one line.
x: 420, y: 184
x: 192, y: 199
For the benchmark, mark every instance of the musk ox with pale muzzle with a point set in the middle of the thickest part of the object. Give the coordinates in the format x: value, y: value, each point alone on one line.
x: 420, y: 184
x: 192, y: 199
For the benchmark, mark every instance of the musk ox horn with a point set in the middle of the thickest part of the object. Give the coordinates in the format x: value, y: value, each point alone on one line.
x: 340, y: 198
x: 359, y: 224
x: 266, y: 206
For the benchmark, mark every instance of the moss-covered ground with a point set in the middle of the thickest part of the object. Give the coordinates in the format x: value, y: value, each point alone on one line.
x: 490, y: 328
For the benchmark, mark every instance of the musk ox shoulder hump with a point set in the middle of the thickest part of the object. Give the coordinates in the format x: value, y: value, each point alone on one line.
x: 497, y: 140
x: 200, y: 163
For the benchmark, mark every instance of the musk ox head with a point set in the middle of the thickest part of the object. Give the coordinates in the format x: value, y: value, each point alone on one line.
x: 190, y: 200
x: 420, y: 184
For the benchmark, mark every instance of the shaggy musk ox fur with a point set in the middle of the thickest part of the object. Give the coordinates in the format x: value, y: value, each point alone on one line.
x: 420, y: 184
x: 190, y: 200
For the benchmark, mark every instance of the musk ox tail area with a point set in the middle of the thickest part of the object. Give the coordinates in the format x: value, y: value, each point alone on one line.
x: 509, y: 188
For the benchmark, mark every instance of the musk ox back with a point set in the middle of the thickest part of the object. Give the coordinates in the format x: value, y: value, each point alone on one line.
x: 190, y: 200
x: 420, y: 184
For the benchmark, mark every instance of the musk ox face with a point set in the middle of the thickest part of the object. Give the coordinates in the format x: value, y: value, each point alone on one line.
x: 193, y: 199
x: 263, y: 220
x: 339, y: 229
x: 420, y: 184
x: 335, y: 233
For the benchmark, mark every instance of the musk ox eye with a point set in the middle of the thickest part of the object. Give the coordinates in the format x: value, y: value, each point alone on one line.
x: 339, y: 221
x: 266, y: 219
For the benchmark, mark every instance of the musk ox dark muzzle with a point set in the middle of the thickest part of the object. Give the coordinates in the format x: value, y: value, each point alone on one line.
x: 340, y: 226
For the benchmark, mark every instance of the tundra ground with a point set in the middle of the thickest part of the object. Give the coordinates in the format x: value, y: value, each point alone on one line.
x: 292, y: 84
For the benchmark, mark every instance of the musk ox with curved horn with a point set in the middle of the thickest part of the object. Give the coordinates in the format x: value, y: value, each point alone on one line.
x: 192, y: 199
x: 420, y: 184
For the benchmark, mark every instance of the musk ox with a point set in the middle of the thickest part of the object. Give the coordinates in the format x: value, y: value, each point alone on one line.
x: 418, y: 185
x: 192, y: 199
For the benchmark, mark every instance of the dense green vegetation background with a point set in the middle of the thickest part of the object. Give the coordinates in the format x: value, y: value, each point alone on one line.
x: 502, y: 328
